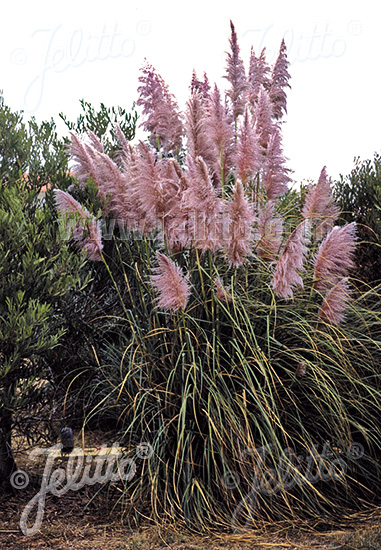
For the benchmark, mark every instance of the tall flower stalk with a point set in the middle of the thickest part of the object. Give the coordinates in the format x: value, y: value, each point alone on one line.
x: 236, y: 76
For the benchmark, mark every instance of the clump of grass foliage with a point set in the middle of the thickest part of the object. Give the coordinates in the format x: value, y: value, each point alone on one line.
x: 244, y: 356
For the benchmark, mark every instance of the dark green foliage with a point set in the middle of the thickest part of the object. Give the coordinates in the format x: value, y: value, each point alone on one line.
x: 101, y: 123
x: 48, y: 160
x: 37, y: 269
x: 14, y: 144
x: 359, y: 197
x: 32, y: 152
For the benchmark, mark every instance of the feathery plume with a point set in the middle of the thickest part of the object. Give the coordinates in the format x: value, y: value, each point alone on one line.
x: 275, y: 175
x: 203, y: 208
x: 197, y: 142
x: 91, y: 162
x: 263, y: 116
x: 200, y: 86
x: 151, y: 188
x: 269, y: 232
x: 83, y: 166
x: 319, y: 206
x: 247, y: 151
x: 86, y: 231
x: 172, y: 170
x: 335, y: 303
x: 240, y: 220
x: 124, y: 154
x: 112, y: 186
x: 279, y: 81
x: 335, y: 257
x: 258, y: 75
x: 176, y: 229
x: 220, y: 134
x: 172, y: 287
x: 95, y: 141
x: 291, y: 260
x: 163, y: 120
x: 236, y: 76
x: 147, y: 187
x: 175, y: 219
x: 112, y: 183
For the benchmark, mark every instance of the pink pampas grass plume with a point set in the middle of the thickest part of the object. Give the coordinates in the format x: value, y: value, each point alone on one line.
x: 162, y: 116
x: 318, y: 197
x: 172, y: 287
x: 240, y: 219
x: 95, y: 141
x: 113, y: 188
x: 335, y: 303
x: 335, y: 257
x: 176, y: 230
x: 197, y: 142
x: 86, y: 231
x: 147, y: 187
x: 258, y: 75
x: 83, y: 167
x: 200, y: 86
x: 124, y: 154
x: 319, y: 206
x: 275, y: 175
x: 203, y: 207
x: 175, y: 219
x: 235, y: 74
x: 219, y: 131
x: 263, y: 115
x: 279, y: 81
x: 154, y: 187
x: 91, y: 162
x: 246, y: 157
x: 286, y: 276
x: 269, y: 232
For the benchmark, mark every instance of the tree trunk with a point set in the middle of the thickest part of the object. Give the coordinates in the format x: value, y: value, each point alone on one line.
x: 7, y: 461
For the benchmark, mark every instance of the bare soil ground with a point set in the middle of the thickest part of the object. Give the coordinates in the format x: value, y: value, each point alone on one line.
x: 84, y: 520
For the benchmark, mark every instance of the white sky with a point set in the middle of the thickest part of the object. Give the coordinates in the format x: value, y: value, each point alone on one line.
x: 54, y: 54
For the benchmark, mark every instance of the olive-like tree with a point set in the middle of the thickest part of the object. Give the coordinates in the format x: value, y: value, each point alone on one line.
x: 37, y: 268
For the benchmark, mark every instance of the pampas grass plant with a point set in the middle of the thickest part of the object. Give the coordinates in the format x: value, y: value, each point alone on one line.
x: 245, y: 348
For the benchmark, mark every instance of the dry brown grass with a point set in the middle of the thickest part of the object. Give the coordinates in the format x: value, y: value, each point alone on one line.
x: 71, y: 523
x: 69, y: 532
